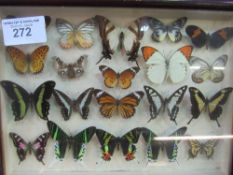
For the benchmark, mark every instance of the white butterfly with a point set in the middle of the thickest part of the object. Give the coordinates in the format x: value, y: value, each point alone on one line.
x: 160, y: 68
x: 204, y: 71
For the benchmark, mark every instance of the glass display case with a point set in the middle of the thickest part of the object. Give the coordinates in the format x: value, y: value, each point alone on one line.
x: 116, y: 90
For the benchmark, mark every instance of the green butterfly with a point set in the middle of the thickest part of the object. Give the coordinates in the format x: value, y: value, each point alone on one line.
x: 77, y: 142
x: 22, y: 99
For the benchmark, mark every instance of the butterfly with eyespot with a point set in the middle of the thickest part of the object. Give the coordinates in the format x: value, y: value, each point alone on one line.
x: 160, y: 68
x: 212, y: 105
x: 215, y: 40
x: 123, y: 79
x: 75, y: 35
x: 22, y: 99
x: 158, y: 103
x: 71, y: 70
x: 206, y: 148
x: 37, y: 147
x: 125, y: 106
x: 127, y: 142
x: 154, y: 146
x: 33, y: 63
x: 67, y: 105
x: 204, y: 71
x: 172, y: 31
x: 77, y: 142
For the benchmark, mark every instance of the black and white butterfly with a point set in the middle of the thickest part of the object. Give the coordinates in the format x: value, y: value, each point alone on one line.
x: 158, y: 103
x: 172, y: 31
x: 81, y: 104
x: 37, y: 147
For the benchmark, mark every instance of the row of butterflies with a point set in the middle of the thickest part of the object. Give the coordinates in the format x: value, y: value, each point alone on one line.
x: 108, y: 143
x: 125, y: 106
x: 159, y: 69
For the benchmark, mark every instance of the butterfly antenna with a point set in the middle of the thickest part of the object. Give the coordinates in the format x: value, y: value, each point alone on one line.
x: 218, y: 123
x: 150, y: 119
x: 100, y: 60
x: 190, y: 121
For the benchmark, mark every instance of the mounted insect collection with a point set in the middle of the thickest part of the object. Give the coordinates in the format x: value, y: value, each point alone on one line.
x: 114, y: 91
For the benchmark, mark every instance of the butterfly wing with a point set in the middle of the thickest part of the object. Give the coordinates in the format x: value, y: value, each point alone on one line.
x: 128, y: 103
x: 209, y: 147
x: 107, y: 142
x: 38, y: 146
x: 83, y: 102
x: 174, y: 101
x: 159, y: 30
x: 110, y: 76
x: 37, y: 59
x: 108, y: 103
x: 216, y: 102
x: 155, y: 100
x: 174, y: 29
x: 195, y: 148
x: 125, y: 77
x: 157, y: 68
x: 198, y: 102
x: 60, y: 137
x: 127, y: 143
x: 179, y: 65
x: 20, y: 98
x: 80, y: 141
x: 197, y: 35
x: 218, y: 38
x: 64, y: 102
x: 20, y: 145
x: 171, y: 145
x: 18, y: 59
x: 153, y: 146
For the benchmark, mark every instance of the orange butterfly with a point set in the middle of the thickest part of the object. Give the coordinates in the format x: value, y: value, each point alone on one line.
x: 33, y: 63
x: 125, y: 106
x: 124, y: 79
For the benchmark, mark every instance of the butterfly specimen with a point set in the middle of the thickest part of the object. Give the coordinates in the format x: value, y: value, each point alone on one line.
x: 203, y: 71
x: 77, y: 142
x: 197, y: 147
x: 23, y: 63
x: 81, y: 104
x: 125, y: 106
x: 172, y: 31
x: 22, y: 99
x: 158, y: 103
x: 123, y: 79
x: 76, y: 35
x: 160, y: 68
x: 71, y: 70
x: 215, y: 40
x: 109, y: 142
x: 213, y: 105
x: 37, y: 147
x: 154, y: 146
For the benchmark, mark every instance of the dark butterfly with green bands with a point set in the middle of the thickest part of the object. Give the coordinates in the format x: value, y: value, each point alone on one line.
x: 154, y: 146
x: 22, y: 99
x: 37, y: 147
x: 77, y: 142
x: 109, y: 142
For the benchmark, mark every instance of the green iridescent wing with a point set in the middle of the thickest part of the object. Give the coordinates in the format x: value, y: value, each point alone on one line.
x: 40, y: 97
x: 20, y: 98
x: 80, y: 141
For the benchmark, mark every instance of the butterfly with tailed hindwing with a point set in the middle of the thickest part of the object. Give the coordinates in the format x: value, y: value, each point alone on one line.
x: 33, y: 63
x: 67, y: 105
x: 159, y: 68
x: 215, y: 40
x: 77, y: 142
x: 37, y: 147
x: 154, y: 146
x: 123, y: 79
x: 125, y: 106
x: 109, y: 142
x: 158, y: 103
x: 213, y: 105
x: 22, y: 99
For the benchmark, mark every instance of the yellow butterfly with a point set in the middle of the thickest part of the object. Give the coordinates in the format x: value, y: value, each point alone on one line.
x: 24, y: 63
